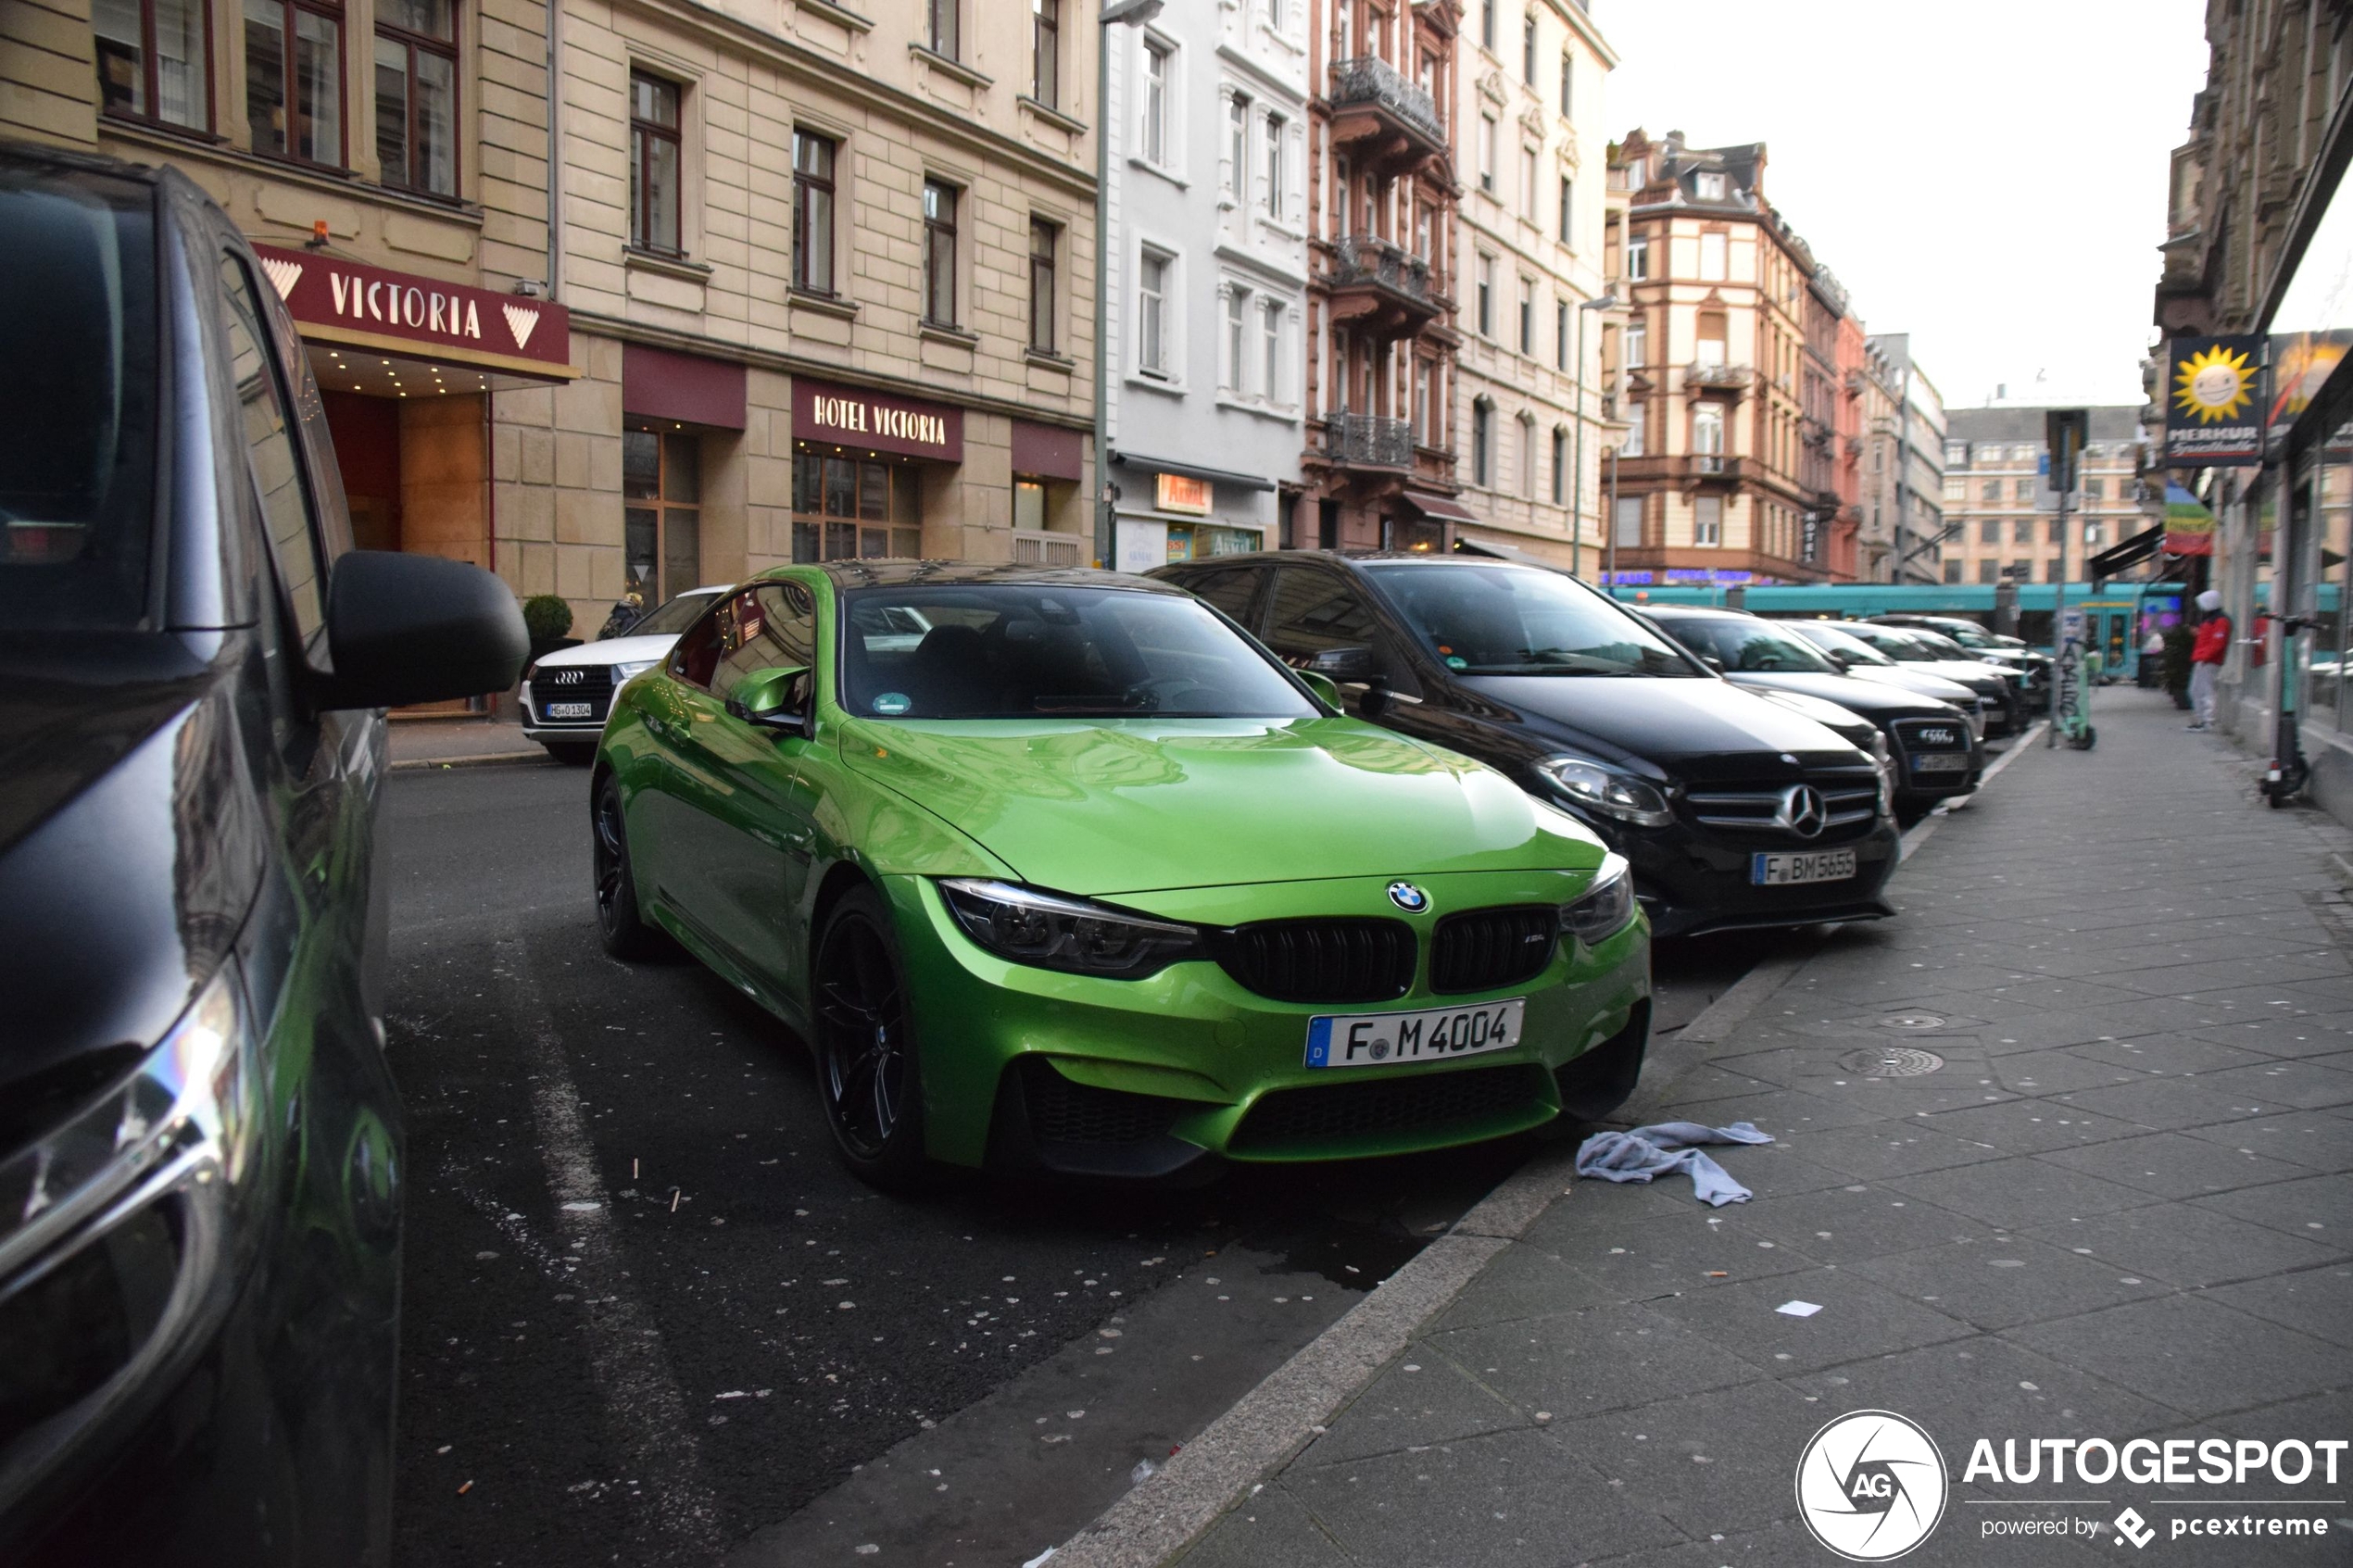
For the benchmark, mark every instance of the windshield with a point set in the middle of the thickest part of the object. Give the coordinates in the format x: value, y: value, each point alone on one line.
x: 672, y: 617
x: 1516, y: 621
x: 1755, y: 645
x: 1905, y: 646
x: 1938, y: 645
x: 77, y: 295
x: 1821, y: 633
x: 1012, y: 651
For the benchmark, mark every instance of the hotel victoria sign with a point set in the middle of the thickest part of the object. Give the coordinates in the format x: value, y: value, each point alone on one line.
x: 875, y: 421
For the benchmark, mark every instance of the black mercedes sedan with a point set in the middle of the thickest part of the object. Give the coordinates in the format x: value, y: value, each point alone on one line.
x: 200, y: 1146
x: 1933, y: 746
x: 1734, y: 811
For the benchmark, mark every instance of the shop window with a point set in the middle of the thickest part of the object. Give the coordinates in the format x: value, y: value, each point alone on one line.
x: 1046, y: 52
x: 654, y: 159
x: 942, y: 32
x: 273, y: 457
x: 1045, y: 244
x: 661, y: 514
x: 294, y: 80
x: 849, y: 508
x: 812, y: 211
x: 417, y: 95
x: 153, y: 63
x: 940, y: 252
x: 1029, y: 504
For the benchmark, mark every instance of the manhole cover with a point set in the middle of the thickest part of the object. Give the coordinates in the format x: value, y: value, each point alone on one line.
x: 1891, y: 1061
x: 1911, y: 1021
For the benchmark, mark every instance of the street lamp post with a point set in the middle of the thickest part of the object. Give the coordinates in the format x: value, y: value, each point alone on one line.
x: 1118, y: 13
x: 1606, y: 301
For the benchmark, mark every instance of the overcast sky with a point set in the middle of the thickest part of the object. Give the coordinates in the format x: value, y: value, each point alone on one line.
x: 1990, y: 179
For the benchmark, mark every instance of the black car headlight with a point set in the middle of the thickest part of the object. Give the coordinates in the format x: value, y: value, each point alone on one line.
x: 1077, y: 936
x: 1589, y: 785
x: 1607, y: 906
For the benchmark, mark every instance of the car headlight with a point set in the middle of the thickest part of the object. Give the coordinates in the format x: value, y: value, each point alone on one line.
x: 631, y: 670
x: 1076, y: 935
x: 1596, y: 788
x: 1605, y: 907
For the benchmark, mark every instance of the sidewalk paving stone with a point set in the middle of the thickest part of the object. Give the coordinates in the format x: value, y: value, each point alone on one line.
x: 2095, y: 1219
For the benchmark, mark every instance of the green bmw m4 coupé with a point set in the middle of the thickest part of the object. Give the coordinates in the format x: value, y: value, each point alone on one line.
x: 1059, y: 870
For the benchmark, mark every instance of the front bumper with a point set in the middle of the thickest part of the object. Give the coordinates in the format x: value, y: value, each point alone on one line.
x: 1691, y: 884
x: 1031, y: 1067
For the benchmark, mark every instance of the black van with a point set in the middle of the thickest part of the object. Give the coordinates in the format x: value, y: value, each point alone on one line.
x: 1734, y: 810
x: 200, y: 1152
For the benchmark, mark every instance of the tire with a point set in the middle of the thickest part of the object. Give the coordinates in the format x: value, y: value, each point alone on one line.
x: 619, y: 922
x: 571, y: 753
x: 868, y: 1072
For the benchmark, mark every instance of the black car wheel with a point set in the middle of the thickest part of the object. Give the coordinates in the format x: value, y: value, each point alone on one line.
x: 619, y: 922
x: 866, y: 1067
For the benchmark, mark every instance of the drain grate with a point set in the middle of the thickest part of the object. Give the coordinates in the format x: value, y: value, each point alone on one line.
x: 1891, y: 1061
x: 1911, y: 1021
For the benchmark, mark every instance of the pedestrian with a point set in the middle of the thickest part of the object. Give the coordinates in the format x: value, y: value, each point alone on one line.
x: 2207, y: 654
x: 2153, y: 658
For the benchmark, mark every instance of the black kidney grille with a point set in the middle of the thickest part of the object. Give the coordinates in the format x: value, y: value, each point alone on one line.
x: 1423, y: 1102
x: 1061, y: 1111
x: 1481, y: 949
x: 1321, y: 961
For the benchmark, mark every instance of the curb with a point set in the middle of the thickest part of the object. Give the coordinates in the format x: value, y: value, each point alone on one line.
x: 1268, y: 1426
x: 421, y: 764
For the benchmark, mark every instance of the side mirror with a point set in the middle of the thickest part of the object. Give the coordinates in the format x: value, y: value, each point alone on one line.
x: 1843, y: 657
x: 1321, y: 685
x: 404, y: 629
x: 1712, y: 662
x: 1346, y: 664
x: 766, y: 699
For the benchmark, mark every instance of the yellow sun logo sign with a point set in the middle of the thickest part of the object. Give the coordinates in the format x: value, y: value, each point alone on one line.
x: 2214, y: 384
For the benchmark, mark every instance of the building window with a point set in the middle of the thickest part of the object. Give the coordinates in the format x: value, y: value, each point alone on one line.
x: 1487, y: 296
x: 1632, y: 446
x: 941, y: 22
x: 2024, y: 489
x: 1990, y: 531
x: 846, y: 508
x: 1487, y: 23
x: 1527, y: 316
x: 1708, y: 187
x: 661, y: 514
x: 153, y: 63
x: 1638, y: 261
x: 1045, y: 241
x: 1046, y: 52
x: 1629, y: 523
x: 417, y: 95
x: 1952, y: 571
x: 1237, y: 331
x: 1482, y: 441
x: 1955, y: 489
x: 1956, y: 454
x: 1568, y: 212
x: 2095, y: 490
x: 1425, y: 408
x: 1992, y: 490
x: 1271, y: 315
x: 2058, y: 531
x: 1707, y: 435
x: 1488, y: 152
x: 1527, y: 183
x: 1527, y: 457
x: 1709, y: 348
x: 1560, y: 466
x: 1707, y: 520
x: 294, y: 95
x: 1156, y: 85
x: 1276, y: 194
x: 2091, y: 533
x: 1712, y: 257
x: 653, y: 163
x: 1568, y: 81
x: 1560, y: 333
x: 1237, y: 144
x: 1151, y: 315
x: 812, y: 211
x: 2022, y: 532
x: 1638, y: 344
x: 1988, y: 570
x: 1528, y: 48
x: 940, y: 252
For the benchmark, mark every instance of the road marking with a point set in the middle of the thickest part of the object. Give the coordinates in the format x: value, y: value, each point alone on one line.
x: 626, y: 1350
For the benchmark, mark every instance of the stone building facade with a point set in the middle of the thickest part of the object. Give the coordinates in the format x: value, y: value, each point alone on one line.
x: 1916, y: 463
x: 1992, y: 531
x: 1529, y: 149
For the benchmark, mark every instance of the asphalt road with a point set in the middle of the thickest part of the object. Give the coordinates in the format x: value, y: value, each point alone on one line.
x: 648, y: 1319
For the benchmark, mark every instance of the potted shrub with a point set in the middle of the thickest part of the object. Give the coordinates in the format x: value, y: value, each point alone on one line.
x: 549, y: 620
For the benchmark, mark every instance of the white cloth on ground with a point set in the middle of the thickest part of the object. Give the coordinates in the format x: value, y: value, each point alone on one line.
x: 1663, y: 1148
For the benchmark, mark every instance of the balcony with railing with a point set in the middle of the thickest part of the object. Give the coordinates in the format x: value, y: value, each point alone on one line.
x: 1368, y: 441
x: 1735, y: 379
x: 1382, y: 120
x: 1682, y: 470
x: 1382, y: 288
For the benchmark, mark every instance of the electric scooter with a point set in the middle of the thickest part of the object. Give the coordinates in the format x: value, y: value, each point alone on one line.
x: 2289, y: 773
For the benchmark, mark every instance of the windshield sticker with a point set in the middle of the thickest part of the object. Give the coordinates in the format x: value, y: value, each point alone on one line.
x: 1456, y: 661
x: 892, y: 702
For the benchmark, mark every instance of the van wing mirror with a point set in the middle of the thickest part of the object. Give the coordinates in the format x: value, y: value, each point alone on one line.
x: 1344, y: 664
x: 769, y: 698
x: 404, y: 629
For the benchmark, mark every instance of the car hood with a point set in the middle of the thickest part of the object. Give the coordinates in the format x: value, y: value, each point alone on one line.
x: 1964, y: 670
x: 1874, y: 700
x: 613, y: 651
x: 1133, y: 805
x: 1919, y: 681
x: 1701, y: 730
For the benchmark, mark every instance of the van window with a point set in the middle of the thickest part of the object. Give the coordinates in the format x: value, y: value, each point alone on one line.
x: 270, y: 448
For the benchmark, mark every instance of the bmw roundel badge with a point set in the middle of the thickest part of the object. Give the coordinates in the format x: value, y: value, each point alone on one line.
x: 1408, y: 898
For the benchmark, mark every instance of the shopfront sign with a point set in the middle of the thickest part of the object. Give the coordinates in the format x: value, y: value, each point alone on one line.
x: 2214, y: 401
x: 875, y: 421
x: 1180, y: 494
x: 333, y: 300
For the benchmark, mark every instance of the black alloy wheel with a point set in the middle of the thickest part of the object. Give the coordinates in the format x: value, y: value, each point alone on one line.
x: 866, y: 1067
x: 620, y: 923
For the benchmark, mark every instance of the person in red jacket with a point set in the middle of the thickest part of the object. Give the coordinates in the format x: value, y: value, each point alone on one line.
x: 2213, y: 644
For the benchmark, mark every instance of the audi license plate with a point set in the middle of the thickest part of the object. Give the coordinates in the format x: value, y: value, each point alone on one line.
x: 1370, y: 1039
x: 569, y: 709
x: 1940, y: 762
x: 1784, y: 871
